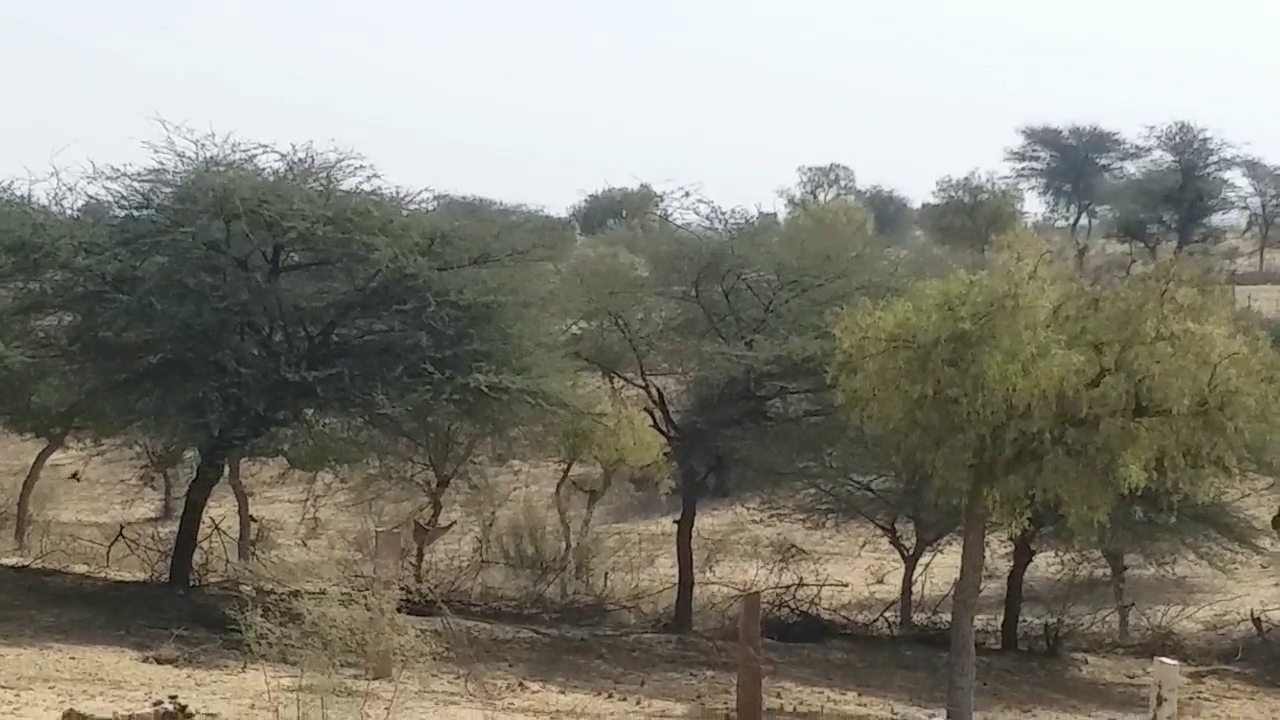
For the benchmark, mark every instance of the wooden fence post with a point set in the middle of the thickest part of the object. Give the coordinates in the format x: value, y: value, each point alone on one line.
x: 1164, y: 689
x: 386, y: 598
x: 750, y: 660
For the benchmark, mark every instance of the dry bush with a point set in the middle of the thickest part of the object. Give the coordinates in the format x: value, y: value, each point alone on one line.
x: 312, y: 647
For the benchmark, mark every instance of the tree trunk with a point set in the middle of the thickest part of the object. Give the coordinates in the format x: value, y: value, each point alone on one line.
x: 1117, y: 568
x: 963, y: 657
x: 594, y: 496
x: 422, y: 532
x: 562, y: 516
x: 23, y: 524
x: 213, y: 459
x: 1023, y: 554
x: 244, y: 534
x: 682, y: 620
x: 1262, y: 256
x: 906, y: 593
x: 1081, y: 249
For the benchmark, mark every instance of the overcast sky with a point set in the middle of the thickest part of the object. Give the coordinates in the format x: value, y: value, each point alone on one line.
x: 541, y: 101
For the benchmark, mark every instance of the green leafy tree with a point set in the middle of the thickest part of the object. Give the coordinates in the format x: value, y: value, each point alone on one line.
x: 1019, y: 382
x: 970, y: 212
x: 711, y: 322
x: 238, y: 289
x: 821, y: 184
x: 854, y: 477
x: 1179, y: 191
x: 40, y: 396
x: 1070, y: 169
x: 615, y: 207
x: 892, y: 213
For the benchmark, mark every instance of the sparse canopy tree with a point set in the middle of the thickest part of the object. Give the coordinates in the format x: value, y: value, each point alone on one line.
x: 238, y: 288
x: 970, y: 212
x: 1179, y: 191
x: 1160, y: 527
x: 858, y: 478
x: 709, y: 325
x: 1018, y: 382
x: 1258, y: 194
x: 1070, y: 168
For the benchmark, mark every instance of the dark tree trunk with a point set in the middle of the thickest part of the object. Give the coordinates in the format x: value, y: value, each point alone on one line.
x: 213, y: 459
x: 1118, y: 571
x: 244, y: 533
x: 962, y: 660
x: 906, y: 593
x: 167, y: 495
x: 562, y: 516
x: 1081, y: 248
x: 1023, y: 554
x: 690, y: 481
x: 23, y: 524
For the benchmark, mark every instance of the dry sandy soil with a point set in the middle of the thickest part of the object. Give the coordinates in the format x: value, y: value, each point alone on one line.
x: 77, y: 629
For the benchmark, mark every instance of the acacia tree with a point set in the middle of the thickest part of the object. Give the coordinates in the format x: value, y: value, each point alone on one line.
x: 711, y: 320
x: 893, y: 215
x: 236, y: 288
x: 40, y: 396
x: 1258, y: 194
x: 614, y: 207
x: 857, y: 478
x: 1179, y: 190
x: 970, y: 212
x: 1070, y: 169
x: 1019, y: 382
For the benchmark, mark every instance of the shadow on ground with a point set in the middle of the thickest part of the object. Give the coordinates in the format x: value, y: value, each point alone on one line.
x: 808, y: 677
x: 41, y: 606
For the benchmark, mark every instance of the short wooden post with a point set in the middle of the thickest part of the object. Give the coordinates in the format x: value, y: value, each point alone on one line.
x: 386, y: 597
x: 750, y: 660
x: 1164, y: 689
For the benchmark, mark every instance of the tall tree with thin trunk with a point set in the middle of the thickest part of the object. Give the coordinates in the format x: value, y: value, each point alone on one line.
x: 1070, y: 168
x: 1178, y: 192
x: 706, y: 322
x: 1257, y: 194
x: 40, y: 396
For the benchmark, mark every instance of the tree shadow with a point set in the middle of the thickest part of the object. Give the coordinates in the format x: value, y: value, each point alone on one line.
x: 42, y: 606
x: 700, y: 672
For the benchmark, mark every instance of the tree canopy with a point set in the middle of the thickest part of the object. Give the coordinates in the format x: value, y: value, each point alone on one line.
x: 1021, y: 381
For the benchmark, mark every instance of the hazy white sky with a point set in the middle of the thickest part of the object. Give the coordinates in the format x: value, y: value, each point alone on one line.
x: 542, y: 101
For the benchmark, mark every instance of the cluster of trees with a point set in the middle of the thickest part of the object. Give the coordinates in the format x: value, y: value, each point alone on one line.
x: 940, y: 371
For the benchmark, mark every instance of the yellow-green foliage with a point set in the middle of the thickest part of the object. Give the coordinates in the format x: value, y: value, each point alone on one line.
x: 1028, y: 381
x: 611, y: 431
